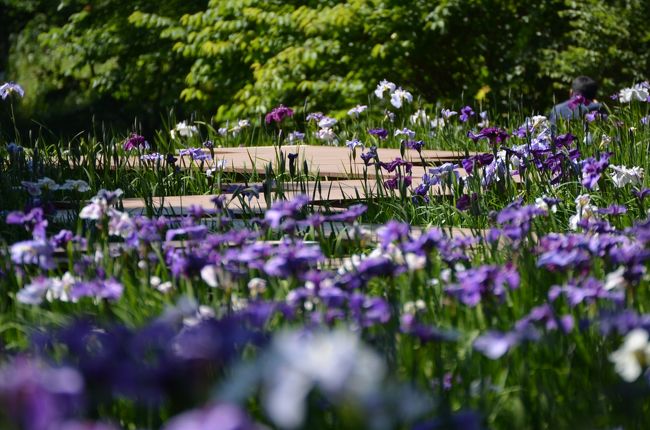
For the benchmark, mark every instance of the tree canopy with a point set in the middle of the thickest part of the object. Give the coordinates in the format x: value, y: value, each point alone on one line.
x: 233, y: 58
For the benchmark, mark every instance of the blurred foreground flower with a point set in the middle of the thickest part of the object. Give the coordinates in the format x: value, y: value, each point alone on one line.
x: 35, y: 396
x: 217, y: 416
x: 337, y: 363
x: 348, y: 375
x: 630, y: 359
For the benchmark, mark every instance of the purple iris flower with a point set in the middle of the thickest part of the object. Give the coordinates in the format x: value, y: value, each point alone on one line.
x: 578, y: 99
x: 284, y: 209
x: 561, y: 259
x: 494, y: 135
x: 448, y: 113
x: 14, y: 149
x: 350, y: 215
x: 466, y: 420
x: 352, y: 144
x: 414, y: 144
x: 564, y: 140
x: 86, y: 425
x: 376, y: 266
x: 251, y: 192
x: 545, y: 316
x: 193, y: 232
x: 185, y: 263
x: 642, y: 193
x: 155, y: 157
x: 495, y: 344
x: 515, y: 219
x: 398, y: 162
x: 561, y: 251
x: 393, y: 231
x: 370, y: 155
x: 522, y: 131
x: 439, y: 174
x: 315, y: 116
x: 37, y: 252
x: 109, y: 289
x: 466, y: 113
x: 278, y: 114
x: 295, y: 136
x: 592, y: 170
x: 464, y: 202
x: 35, y: 396
x: 333, y: 296
x: 613, y: 210
x: 622, y: 322
x: 551, y: 201
x: 222, y: 416
x: 33, y: 221
x: 315, y: 220
x: 493, y: 171
x: 478, y: 160
x: 422, y: 190
x: 61, y: 239
x: 379, y: 132
x: 195, y: 154
x: 393, y: 183
x: 588, y: 291
x: 291, y: 260
x: 477, y: 284
x: 135, y: 141
x: 369, y: 311
x: 593, y: 116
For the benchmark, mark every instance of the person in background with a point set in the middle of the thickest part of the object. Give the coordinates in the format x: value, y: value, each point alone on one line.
x: 582, y: 101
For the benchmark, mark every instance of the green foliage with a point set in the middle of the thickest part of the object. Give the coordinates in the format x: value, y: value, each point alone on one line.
x: 237, y: 58
x: 81, y: 55
x: 606, y: 40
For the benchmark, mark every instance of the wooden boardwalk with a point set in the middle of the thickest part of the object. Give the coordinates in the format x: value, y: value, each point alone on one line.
x: 340, y: 171
x: 328, y: 161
